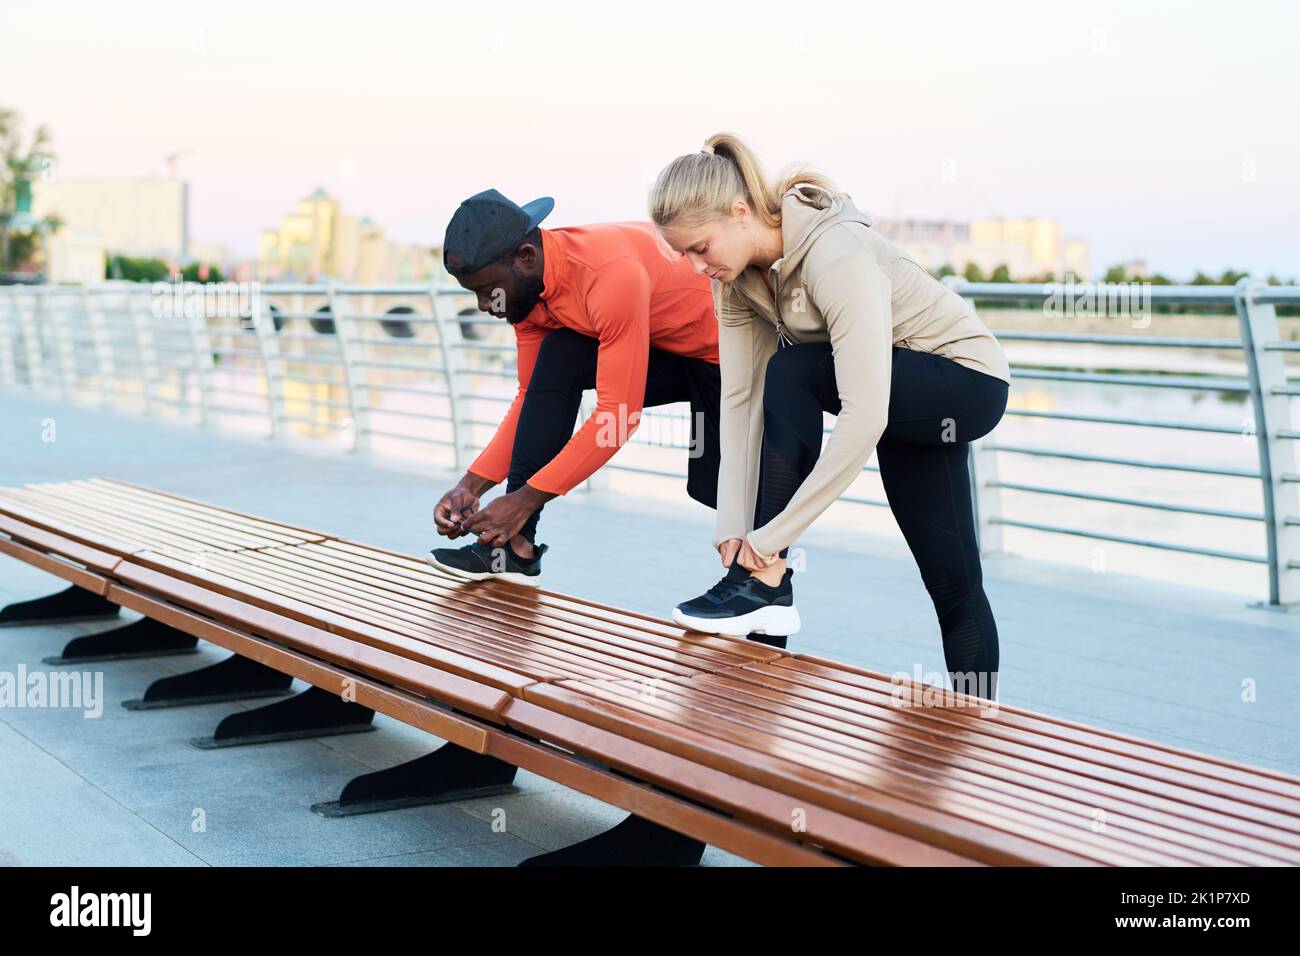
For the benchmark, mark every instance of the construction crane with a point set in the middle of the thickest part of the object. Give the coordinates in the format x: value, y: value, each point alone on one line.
x: 170, y: 160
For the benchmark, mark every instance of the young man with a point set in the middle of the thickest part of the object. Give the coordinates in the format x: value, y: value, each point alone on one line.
x: 611, y: 307
x: 608, y: 306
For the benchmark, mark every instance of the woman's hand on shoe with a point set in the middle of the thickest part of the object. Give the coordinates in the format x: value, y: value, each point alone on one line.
x: 751, y: 560
x: 728, y: 550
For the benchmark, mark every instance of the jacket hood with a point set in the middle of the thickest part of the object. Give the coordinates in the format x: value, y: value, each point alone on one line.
x: 806, y: 212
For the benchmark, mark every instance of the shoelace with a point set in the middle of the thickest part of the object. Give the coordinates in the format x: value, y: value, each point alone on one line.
x: 727, y: 587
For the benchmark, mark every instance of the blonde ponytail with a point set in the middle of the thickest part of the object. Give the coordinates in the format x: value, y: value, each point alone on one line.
x: 698, y: 187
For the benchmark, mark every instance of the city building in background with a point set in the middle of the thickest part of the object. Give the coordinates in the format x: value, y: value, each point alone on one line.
x: 145, y: 218
x: 319, y: 242
x: 1029, y: 248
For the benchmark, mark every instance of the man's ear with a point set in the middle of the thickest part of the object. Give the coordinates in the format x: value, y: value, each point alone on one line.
x: 527, y: 256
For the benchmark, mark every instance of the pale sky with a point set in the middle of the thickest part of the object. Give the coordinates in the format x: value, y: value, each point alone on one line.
x: 1158, y: 130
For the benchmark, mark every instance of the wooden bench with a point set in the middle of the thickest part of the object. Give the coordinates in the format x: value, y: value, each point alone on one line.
x: 779, y: 757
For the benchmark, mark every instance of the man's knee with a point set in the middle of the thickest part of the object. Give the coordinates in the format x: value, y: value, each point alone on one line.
x: 565, y: 359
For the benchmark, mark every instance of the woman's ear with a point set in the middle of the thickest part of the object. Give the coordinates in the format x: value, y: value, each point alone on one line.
x: 740, y: 211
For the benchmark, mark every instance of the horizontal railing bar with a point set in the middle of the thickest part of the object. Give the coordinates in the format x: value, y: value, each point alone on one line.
x: 423, y: 416
x: 1114, y: 420
x: 1277, y: 295
x: 1135, y: 502
x: 310, y: 379
x: 1151, y: 381
x: 494, y: 372
x: 1133, y: 462
x: 1140, y: 542
x: 382, y: 387
x: 399, y: 366
x: 1101, y: 339
x: 406, y: 437
x: 235, y: 410
x: 1042, y: 291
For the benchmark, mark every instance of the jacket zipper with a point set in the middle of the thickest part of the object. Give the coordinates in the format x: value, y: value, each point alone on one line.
x: 782, y: 339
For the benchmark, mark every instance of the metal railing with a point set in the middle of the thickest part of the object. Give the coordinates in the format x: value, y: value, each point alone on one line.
x: 414, y: 366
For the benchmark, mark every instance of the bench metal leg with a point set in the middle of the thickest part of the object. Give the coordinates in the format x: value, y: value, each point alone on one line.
x: 143, y: 638
x: 235, y: 678
x: 73, y: 603
x: 634, y: 842
x: 449, y: 773
x: 313, y: 713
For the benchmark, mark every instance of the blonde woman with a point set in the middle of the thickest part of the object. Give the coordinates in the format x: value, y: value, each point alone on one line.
x: 818, y: 313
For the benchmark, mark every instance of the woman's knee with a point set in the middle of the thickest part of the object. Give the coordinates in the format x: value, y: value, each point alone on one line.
x: 790, y: 370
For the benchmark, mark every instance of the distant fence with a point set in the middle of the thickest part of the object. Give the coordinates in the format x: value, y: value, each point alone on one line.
x: 416, y: 366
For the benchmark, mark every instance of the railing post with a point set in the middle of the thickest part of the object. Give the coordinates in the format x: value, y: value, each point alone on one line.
x: 65, y: 348
x: 1277, y: 458
x: 268, y: 345
x: 99, y: 338
x: 140, y: 306
x: 451, y: 347
x: 982, y: 464
x: 986, y: 497
x: 201, y: 342
x: 30, y: 330
x: 8, y: 336
x: 599, y: 479
x: 353, y: 374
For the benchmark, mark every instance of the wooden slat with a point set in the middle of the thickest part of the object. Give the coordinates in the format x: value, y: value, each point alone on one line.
x: 1073, y: 738
x: 466, y: 684
x: 883, y: 809
x: 967, y: 782
x: 770, y: 807
x: 271, y: 532
x: 307, y: 534
x: 941, y: 732
x: 311, y: 610
x: 408, y: 708
x: 451, y: 621
x: 137, y: 537
x: 161, y: 516
x: 55, y: 565
x: 71, y: 530
x: 432, y: 600
x: 536, y: 602
x: 51, y: 543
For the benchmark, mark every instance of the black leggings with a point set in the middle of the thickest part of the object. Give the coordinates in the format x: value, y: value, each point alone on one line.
x: 566, y: 365
x: 936, y: 408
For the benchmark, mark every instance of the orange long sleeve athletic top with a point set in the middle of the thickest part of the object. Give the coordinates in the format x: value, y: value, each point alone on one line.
x: 624, y: 286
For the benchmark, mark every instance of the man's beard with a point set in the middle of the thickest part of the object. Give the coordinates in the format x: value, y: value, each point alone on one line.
x: 528, y: 294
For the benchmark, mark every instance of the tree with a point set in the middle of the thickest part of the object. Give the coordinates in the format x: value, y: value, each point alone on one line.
x: 20, y: 166
x: 973, y: 273
x: 1001, y: 274
x: 137, y: 270
x: 190, y: 273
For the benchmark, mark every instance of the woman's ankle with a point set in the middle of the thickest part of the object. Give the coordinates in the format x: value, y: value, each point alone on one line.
x: 772, y: 574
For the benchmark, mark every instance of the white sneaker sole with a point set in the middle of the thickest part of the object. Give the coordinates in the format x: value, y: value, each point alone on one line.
x: 514, y: 577
x: 776, y: 620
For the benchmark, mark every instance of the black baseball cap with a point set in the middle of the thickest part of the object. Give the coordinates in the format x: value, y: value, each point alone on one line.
x: 487, y: 226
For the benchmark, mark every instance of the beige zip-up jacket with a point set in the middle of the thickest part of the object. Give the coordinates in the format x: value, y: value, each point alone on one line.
x: 838, y: 280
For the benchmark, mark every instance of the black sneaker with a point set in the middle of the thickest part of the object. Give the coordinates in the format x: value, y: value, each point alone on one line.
x: 478, y: 562
x: 740, y: 604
